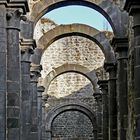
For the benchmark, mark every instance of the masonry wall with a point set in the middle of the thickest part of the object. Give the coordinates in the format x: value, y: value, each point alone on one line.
x: 72, y: 125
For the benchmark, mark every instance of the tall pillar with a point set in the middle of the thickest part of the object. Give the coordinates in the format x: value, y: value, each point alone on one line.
x: 26, y: 52
x: 133, y: 8
x: 14, y: 12
x: 121, y: 47
x: 40, y: 90
x: 44, y: 133
x: 3, y: 72
x: 98, y: 99
x: 35, y: 74
x: 105, y: 115
x: 111, y: 68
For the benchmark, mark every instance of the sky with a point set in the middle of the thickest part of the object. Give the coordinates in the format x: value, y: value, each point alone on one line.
x: 79, y: 14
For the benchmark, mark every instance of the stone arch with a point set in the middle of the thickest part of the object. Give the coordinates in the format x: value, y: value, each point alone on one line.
x: 74, y: 29
x: 65, y: 68
x: 70, y: 107
x: 107, y: 8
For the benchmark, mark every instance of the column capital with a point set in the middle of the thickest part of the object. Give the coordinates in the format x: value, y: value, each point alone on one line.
x: 132, y: 6
x: 111, y: 69
x: 26, y: 47
x: 110, y: 66
x: 35, y: 72
x: 45, y: 97
x: 35, y: 68
x: 31, y: 43
x: 26, y: 51
x: 103, y: 84
x: 23, y: 4
x: 98, y: 96
x: 41, y: 89
x: 120, y: 44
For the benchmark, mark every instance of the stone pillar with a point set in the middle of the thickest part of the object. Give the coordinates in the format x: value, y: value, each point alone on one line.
x: 13, y: 73
x: 98, y: 114
x: 44, y: 133
x: 133, y: 7
x: 105, y: 115
x: 3, y: 72
x: 121, y: 47
x: 111, y: 68
x: 40, y: 90
x: 26, y: 51
x: 35, y: 74
x: 48, y: 135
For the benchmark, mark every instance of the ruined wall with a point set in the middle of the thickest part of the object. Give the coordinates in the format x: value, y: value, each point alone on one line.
x: 70, y: 88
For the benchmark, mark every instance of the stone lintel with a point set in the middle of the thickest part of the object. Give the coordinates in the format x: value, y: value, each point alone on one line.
x: 120, y: 44
x: 16, y: 4
x: 132, y: 6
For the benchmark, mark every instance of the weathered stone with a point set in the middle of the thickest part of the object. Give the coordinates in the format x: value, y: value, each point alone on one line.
x: 70, y: 66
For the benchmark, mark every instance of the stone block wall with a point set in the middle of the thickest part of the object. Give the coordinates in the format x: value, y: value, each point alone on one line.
x: 70, y: 88
x: 72, y: 125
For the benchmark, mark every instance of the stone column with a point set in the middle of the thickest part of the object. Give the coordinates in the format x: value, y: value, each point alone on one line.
x: 48, y: 135
x: 26, y: 51
x: 3, y: 72
x: 44, y: 100
x: 111, y: 68
x: 98, y: 114
x: 35, y: 74
x: 13, y: 73
x: 133, y: 8
x: 105, y: 115
x: 40, y: 90
x: 121, y: 47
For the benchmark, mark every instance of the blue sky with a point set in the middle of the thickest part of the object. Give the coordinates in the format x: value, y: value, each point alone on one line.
x: 79, y: 14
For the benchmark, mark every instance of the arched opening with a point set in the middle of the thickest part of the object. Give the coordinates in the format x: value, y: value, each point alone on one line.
x: 107, y: 8
x: 68, y: 68
x: 84, y: 109
x: 71, y: 85
x: 72, y: 125
x: 49, y: 6
x: 75, y: 29
x: 72, y: 50
x: 79, y: 14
